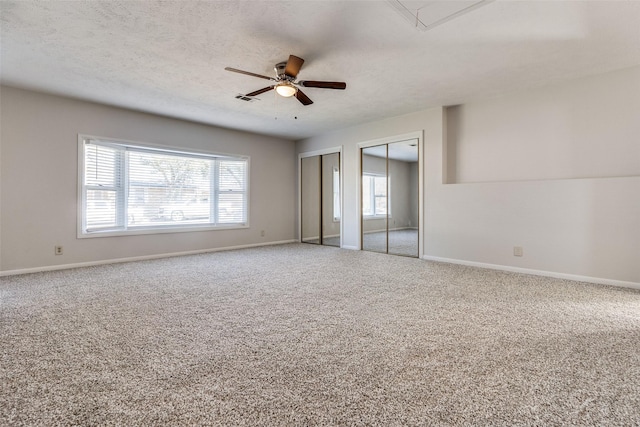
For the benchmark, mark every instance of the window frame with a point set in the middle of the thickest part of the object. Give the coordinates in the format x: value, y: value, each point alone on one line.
x: 373, y: 196
x: 123, y: 230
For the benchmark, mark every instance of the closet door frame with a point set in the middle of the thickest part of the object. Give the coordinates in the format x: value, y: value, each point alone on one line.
x: 301, y: 156
x: 419, y: 136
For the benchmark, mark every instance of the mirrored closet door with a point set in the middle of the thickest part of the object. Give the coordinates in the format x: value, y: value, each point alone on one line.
x: 310, y: 199
x: 374, y: 199
x: 390, y: 198
x: 320, y: 213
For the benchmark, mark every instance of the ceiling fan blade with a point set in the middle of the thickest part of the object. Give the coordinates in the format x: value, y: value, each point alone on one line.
x: 304, y: 99
x: 324, y: 85
x: 235, y: 70
x: 259, y: 91
x: 293, y: 66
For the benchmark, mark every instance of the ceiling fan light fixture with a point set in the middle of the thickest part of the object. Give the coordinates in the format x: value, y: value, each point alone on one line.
x: 286, y: 90
x: 286, y: 82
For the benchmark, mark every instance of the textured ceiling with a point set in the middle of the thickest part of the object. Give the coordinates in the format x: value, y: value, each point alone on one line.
x: 169, y: 57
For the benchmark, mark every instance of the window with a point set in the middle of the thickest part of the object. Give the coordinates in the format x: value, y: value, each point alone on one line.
x: 374, y: 195
x: 336, y: 194
x: 127, y: 188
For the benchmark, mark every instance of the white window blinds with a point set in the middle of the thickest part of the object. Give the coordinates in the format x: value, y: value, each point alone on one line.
x: 103, y: 186
x: 127, y: 187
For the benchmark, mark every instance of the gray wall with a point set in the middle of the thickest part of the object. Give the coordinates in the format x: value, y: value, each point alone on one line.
x: 555, y: 170
x: 38, y: 189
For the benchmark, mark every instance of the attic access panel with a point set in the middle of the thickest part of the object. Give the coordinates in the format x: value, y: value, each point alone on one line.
x: 427, y: 14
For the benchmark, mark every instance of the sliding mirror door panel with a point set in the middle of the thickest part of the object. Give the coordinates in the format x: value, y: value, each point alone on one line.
x: 320, y: 213
x: 374, y: 198
x: 390, y: 211
x: 331, y: 199
x: 402, y: 163
x: 310, y: 199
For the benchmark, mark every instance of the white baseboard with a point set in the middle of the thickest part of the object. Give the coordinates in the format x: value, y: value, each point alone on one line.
x: 574, y: 277
x: 137, y: 258
x: 351, y: 248
x: 390, y: 229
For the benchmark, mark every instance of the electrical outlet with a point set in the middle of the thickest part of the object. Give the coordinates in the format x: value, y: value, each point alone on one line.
x: 262, y: 233
x: 517, y: 251
x: 58, y: 250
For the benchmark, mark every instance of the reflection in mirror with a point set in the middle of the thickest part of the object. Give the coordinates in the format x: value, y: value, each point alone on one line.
x: 374, y: 199
x: 390, y: 211
x: 403, y: 198
x: 331, y: 199
x: 310, y: 199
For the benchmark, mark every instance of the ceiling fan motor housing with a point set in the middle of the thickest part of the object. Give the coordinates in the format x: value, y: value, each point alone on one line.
x: 279, y: 69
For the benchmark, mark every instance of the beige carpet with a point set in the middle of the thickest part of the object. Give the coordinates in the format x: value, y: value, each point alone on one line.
x: 299, y: 335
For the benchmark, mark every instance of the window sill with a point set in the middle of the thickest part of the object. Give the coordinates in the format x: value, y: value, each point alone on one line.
x: 368, y: 217
x: 159, y: 230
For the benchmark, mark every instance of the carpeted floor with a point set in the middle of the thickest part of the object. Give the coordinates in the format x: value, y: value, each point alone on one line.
x: 299, y: 335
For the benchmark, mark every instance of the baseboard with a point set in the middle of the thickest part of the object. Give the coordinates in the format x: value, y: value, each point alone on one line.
x: 137, y: 258
x: 574, y: 277
x: 391, y: 229
x: 328, y: 236
x: 318, y: 237
x: 351, y: 248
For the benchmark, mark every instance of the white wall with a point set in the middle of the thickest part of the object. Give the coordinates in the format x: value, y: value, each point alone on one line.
x: 586, y: 128
x: 39, y: 181
x: 580, y: 216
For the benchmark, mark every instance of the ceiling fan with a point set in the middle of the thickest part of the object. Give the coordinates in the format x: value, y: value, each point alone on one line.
x: 286, y: 83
